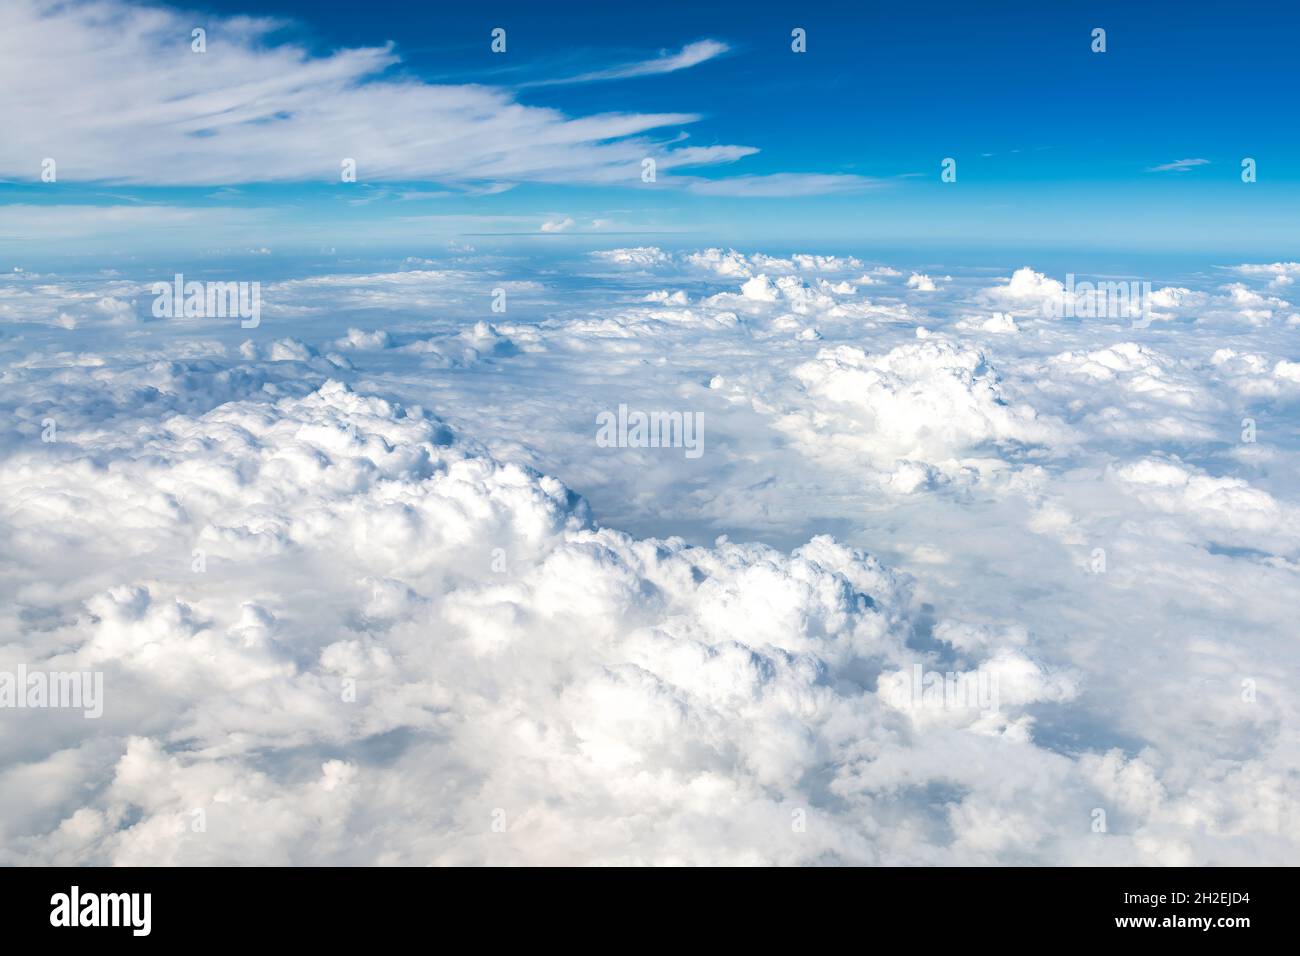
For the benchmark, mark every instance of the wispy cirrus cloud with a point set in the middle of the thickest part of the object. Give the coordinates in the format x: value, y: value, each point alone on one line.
x: 688, y: 56
x: 778, y: 185
x: 246, y: 111
x: 1178, y: 166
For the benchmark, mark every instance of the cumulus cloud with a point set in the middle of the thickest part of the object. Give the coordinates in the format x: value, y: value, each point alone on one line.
x: 1028, y: 292
x: 731, y: 263
x: 1270, y: 269
x: 1133, y: 301
x: 999, y: 323
x: 1282, y: 275
x: 341, y: 559
x: 912, y: 412
x: 1223, y: 504
x: 483, y: 622
x: 643, y: 256
x: 1243, y: 303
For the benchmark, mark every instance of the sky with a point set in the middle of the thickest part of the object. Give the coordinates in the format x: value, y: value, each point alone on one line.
x: 378, y: 567
x: 1136, y: 147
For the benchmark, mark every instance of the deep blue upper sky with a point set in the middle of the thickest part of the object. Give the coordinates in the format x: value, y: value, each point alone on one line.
x: 1053, y: 142
x: 885, y: 88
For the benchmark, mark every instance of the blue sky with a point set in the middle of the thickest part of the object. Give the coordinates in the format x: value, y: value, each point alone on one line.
x: 1054, y: 144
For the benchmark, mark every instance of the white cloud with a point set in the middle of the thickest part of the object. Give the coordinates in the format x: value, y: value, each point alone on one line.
x: 693, y: 54
x: 246, y: 111
x: 782, y: 185
x: 627, y: 696
x: 721, y: 262
x: 999, y: 323
x: 1225, y: 504
x: 916, y: 410
x: 1281, y: 274
x: 730, y: 263
x: 1269, y: 269
x: 1178, y: 166
x: 646, y: 675
x: 1028, y: 293
x: 642, y: 256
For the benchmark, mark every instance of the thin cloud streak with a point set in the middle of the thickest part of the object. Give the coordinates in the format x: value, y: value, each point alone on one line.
x: 693, y: 54
x: 1178, y: 166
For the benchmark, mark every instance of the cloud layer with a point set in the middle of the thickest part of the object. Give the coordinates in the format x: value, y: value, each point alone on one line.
x: 350, y: 608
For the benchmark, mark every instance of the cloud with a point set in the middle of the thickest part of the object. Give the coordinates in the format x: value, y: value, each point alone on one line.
x: 1178, y: 166
x: 911, y: 413
x: 688, y: 56
x: 558, y: 224
x: 646, y: 676
x: 1281, y: 274
x: 403, y: 592
x: 249, y: 111
x: 686, y: 156
x: 721, y: 262
x: 645, y: 257
x: 1226, y: 505
x: 784, y: 185
x: 1027, y: 293
x: 1269, y: 269
x: 1163, y: 396
x: 729, y: 262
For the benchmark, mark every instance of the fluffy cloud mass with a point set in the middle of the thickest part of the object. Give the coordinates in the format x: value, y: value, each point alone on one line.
x: 919, y: 406
x: 485, y: 624
x: 363, y: 588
